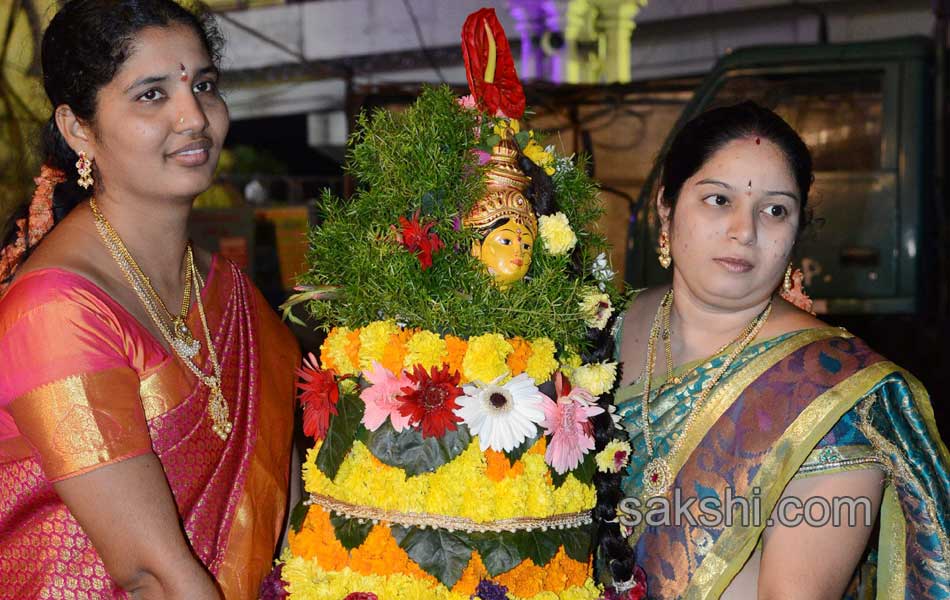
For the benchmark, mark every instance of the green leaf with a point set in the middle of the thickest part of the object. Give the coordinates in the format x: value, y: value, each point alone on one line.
x: 350, y: 532
x: 522, y: 138
x: 518, y: 452
x: 298, y: 515
x: 539, y: 546
x: 413, y: 453
x: 440, y: 553
x: 583, y: 472
x: 492, y: 140
x: 499, y: 551
x: 340, y: 434
x: 577, y: 542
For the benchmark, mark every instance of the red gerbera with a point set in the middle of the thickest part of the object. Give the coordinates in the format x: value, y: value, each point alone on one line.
x: 490, y: 67
x: 431, y: 402
x: 318, y: 396
x: 418, y: 239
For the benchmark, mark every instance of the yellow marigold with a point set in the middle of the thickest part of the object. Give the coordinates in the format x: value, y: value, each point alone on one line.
x: 340, y: 351
x: 540, y: 156
x: 455, y: 349
x: 569, y: 362
x: 373, y: 340
x: 613, y: 457
x: 596, y: 307
x: 485, y: 359
x: 541, y: 364
x: 596, y: 378
x: 556, y: 234
x: 425, y: 348
x: 518, y: 359
x: 395, y: 351
x: 510, y: 124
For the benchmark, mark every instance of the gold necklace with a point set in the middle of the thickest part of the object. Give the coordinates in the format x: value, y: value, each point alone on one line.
x: 657, y: 475
x: 182, y: 341
x: 141, y: 285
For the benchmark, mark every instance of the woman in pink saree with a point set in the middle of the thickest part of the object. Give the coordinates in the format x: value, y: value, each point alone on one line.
x: 135, y: 459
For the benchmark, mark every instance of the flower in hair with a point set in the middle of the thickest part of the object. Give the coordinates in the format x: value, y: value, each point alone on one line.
x: 30, y: 230
x: 796, y: 295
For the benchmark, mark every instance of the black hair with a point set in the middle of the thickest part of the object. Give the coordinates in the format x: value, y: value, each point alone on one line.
x: 704, y: 135
x: 612, y: 551
x: 84, y: 46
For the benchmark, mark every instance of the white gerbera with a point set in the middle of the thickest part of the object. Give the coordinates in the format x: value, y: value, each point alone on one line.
x: 502, y: 416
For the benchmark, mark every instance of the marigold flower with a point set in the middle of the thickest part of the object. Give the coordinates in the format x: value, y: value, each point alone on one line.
x: 556, y: 234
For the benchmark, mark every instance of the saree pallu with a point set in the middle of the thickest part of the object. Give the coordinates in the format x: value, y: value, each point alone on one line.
x: 804, y: 403
x: 83, y: 385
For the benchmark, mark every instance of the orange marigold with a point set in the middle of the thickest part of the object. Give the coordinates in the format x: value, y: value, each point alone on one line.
x: 518, y: 359
x: 353, y: 347
x: 316, y: 540
x: 471, y: 576
x: 455, y: 350
x: 395, y: 351
x: 528, y: 579
x: 381, y: 555
x: 498, y: 467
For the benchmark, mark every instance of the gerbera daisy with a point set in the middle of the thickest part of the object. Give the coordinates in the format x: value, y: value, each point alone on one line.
x: 318, y: 396
x: 429, y: 401
x: 381, y: 398
x: 567, y: 422
x: 502, y: 416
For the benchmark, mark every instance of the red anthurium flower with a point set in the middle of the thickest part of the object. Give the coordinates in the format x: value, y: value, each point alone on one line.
x: 419, y: 240
x: 318, y: 396
x: 431, y: 403
x: 490, y: 67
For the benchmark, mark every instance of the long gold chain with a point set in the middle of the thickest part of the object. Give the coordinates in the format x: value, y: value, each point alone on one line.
x: 657, y: 475
x: 151, y: 301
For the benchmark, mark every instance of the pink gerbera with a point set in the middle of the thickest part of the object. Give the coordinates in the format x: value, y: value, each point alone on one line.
x: 381, y: 398
x: 567, y: 421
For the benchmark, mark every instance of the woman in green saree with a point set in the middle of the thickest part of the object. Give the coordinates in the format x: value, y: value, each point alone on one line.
x: 730, y: 391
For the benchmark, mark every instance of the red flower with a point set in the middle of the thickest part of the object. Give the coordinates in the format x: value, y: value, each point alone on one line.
x: 318, y: 395
x: 490, y: 67
x: 417, y: 238
x: 431, y: 402
x: 635, y: 589
x: 362, y: 596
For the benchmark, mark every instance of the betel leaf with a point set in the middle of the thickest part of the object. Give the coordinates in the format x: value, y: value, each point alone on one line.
x: 298, y: 515
x: 522, y: 138
x: 518, y: 452
x: 499, y: 551
x: 539, y: 546
x: 440, y: 553
x: 577, y: 542
x: 350, y: 532
x: 340, y: 434
x: 413, y: 453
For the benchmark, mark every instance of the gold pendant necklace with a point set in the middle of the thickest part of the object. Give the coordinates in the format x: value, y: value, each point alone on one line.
x: 657, y: 474
x: 181, y: 342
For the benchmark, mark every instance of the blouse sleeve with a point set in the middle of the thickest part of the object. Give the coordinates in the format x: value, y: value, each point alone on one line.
x: 67, y: 385
x: 844, y: 448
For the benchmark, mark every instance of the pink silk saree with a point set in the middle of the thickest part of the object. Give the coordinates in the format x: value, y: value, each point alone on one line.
x: 83, y: 385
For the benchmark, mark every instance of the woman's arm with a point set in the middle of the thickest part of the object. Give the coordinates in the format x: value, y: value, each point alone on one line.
x: 128, y: 512
x: 818, y: 561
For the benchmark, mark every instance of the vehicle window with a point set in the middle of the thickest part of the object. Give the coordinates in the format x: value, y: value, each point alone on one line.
x: 839, y: 115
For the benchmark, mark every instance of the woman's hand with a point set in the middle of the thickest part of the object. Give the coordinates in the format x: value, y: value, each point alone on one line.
x: 818, y: 561
x: 128, y: 512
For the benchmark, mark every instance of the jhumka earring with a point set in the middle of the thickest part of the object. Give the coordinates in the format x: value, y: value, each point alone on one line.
x: 84, y: 168
x: 665, y: 259
x: 787, y: 283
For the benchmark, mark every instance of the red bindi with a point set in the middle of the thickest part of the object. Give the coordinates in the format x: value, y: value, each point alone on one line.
x: 184, y: 74
x: 757, y: 141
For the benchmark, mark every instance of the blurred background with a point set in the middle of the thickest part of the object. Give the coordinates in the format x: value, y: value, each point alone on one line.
x: 863, y: 81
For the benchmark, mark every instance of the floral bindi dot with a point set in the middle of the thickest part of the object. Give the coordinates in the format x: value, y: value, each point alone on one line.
x: 184, y: 74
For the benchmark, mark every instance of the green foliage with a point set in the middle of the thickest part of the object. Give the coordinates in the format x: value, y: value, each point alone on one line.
x: 413, y: 453
x: 340, y: 434
x: 351, y: 533
x: 440, y: 553
x: 422, y: 160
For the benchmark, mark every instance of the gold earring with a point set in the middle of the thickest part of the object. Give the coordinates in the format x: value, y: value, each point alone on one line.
x: 84, y: 168
x: 665, y: 259
x: 787, y: 283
